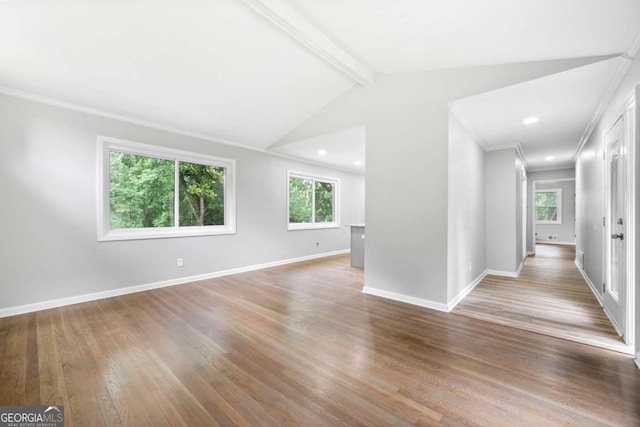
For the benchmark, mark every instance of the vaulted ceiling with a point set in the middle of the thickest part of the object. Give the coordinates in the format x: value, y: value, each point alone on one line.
x: 248, y: 72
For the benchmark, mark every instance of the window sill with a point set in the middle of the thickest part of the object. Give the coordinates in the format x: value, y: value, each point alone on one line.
x: 294, y: 227
x: 115, y: 235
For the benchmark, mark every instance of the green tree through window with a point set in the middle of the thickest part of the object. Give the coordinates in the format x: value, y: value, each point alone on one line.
x: 548, y: 206
x: 324, y: 202
x: 201, y: 195
x: 141, y: 191
x: 312, y: 201
x: 148, y: 192
x: 300, y: 200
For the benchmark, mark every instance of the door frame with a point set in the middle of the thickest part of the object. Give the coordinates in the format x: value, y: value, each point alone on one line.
x: 609, y: 299
x: 629, y: 110
x: 525, y: 208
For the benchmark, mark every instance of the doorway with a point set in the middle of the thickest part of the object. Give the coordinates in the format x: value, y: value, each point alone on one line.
x: 552, y: 213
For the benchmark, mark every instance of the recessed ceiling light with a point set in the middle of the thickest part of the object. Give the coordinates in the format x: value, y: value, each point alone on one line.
x: 322, y: 152
x: 550, y: 157
x: 530, y: 120
x: 357, y: 163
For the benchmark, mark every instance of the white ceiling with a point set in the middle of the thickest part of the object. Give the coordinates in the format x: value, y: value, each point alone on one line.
x: 250, y: 71
x: 408, y: 35
x: 564, y: 103
x: 342, y: 149
x: 209, y: 67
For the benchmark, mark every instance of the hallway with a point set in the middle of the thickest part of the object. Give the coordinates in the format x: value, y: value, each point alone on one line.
x: 549, y: 297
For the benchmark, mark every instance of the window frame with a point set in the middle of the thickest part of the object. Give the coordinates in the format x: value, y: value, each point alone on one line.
x: 336, y: 202
x: 108, y: 144
x: 558, y: 206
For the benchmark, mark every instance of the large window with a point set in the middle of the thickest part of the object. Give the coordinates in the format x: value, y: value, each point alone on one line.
x: 151, y: 192
x: 549, y: 206
x: 313, y: 202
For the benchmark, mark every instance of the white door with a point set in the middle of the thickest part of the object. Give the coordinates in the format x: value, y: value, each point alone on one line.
x: 616, y: 225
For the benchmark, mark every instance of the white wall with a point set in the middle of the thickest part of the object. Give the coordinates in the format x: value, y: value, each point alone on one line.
x: 520, y: 177
x: 589, y: 182
x: 466, y: 218
x: 407, y: 116
x: 500, y: 202
x: 636, y: 78
x: 542, y: 176
x: 567, y: 230
x: 49, y: 244
x: 589, y: 191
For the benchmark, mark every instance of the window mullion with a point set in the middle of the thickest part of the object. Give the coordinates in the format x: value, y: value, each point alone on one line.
x: 224, y: 196
x: 334, y: 202
x: 313, y: 201
x: 176, y: 195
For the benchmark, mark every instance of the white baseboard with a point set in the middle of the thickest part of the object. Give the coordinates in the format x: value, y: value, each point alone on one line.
x: 507, y: 273
x: 599, y: 298
x: 520, y: 267
x: 61, y: 302
x: 637, y: 360
x: 554, y: 242
x: 503, y: 273
x: 434, y: 305
x: 613, y: 322
x: 590, y: 283
x: 466, y: 291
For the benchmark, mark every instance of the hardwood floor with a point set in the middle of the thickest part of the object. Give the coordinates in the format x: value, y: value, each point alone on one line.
x: 301, y: 345
x: 549, y: 297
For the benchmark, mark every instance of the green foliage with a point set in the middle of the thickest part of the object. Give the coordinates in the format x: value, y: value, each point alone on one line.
x: 299, y: 200
x: 201, y: 195
x: 324, y: 202
x: 546, y: 206
x: 142, y: 191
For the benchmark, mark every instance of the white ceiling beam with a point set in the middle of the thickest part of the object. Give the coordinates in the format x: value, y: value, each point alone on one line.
x: 292, y: 23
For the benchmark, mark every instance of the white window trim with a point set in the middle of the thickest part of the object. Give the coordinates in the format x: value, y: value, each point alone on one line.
x: 108, y: 144
x: 558, y: 192
x: 336, y: 203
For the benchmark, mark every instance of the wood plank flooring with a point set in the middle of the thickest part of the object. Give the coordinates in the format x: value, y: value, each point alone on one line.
x: 549, y: 297
x: 300, y: 345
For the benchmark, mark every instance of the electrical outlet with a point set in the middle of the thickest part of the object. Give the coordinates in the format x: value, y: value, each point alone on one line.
x: 180, y: 262
x: 470, y: 266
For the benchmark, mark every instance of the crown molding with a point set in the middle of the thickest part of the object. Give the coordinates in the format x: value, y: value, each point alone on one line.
x: 315, y: 163
x: 504, y: 147
x: 552, y: 168
x: 623, y: 66
x: 153, y: 125
x: 119, y: 117
x: 281, y: 15
x: 520, y: 153
x: 468, y: 128
x: 634, y: 47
